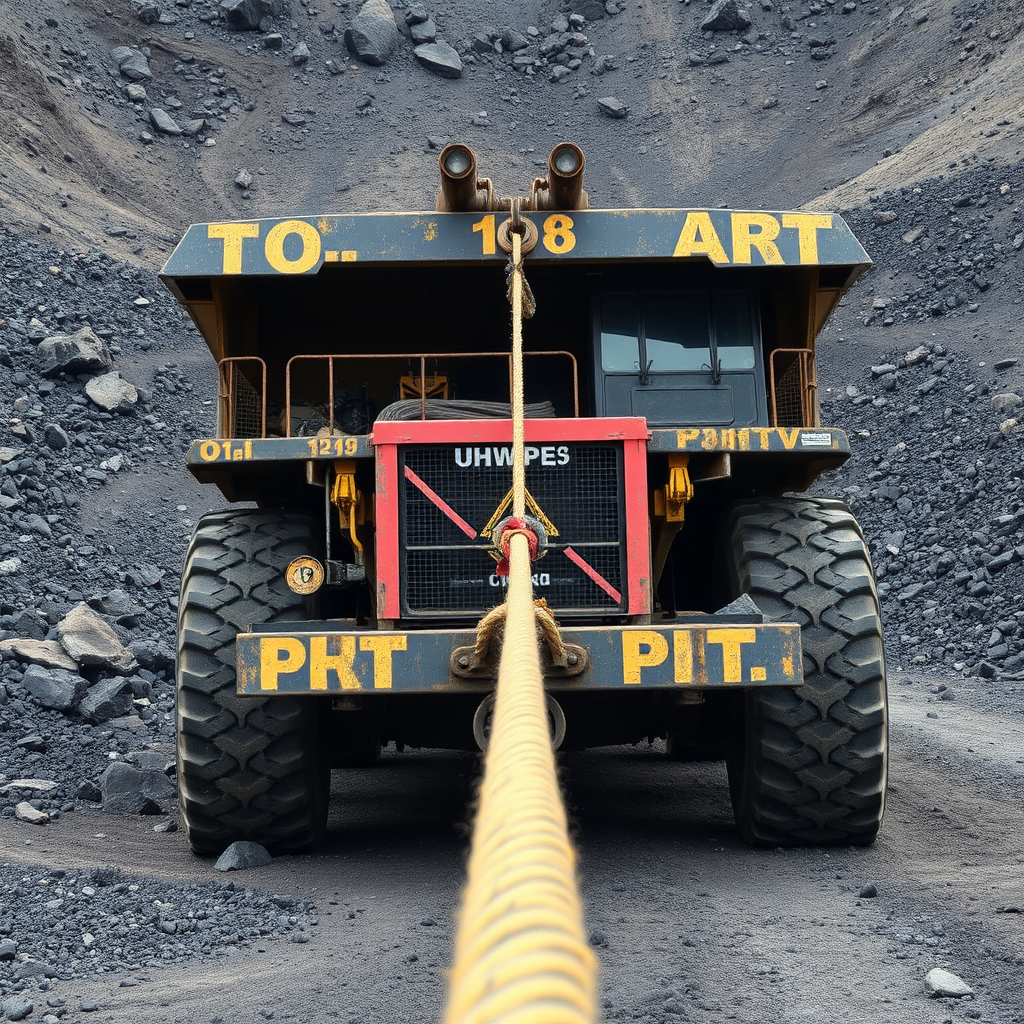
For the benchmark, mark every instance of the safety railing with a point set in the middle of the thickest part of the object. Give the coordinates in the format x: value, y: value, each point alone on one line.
x: 792, y: 388
x: 333, y: 375
x: 242, y: 397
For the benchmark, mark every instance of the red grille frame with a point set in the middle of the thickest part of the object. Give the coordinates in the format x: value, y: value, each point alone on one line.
x: 631, y: 432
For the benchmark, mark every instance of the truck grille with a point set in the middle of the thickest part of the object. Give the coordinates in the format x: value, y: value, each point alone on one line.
x: 449, y: 496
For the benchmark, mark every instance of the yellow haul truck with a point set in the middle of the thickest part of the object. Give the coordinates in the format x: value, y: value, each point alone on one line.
x: 363, y: 410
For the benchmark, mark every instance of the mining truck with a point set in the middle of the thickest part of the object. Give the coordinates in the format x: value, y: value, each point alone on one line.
x: 364, y: 442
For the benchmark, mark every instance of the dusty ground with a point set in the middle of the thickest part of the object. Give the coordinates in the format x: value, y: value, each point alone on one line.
x: 689, y: 923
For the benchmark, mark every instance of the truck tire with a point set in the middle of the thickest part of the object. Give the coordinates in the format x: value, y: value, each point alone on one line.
x: 808, y: 764
x: 250, y: 768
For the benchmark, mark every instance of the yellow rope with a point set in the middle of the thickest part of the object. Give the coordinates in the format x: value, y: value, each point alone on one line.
x: 521, y: 952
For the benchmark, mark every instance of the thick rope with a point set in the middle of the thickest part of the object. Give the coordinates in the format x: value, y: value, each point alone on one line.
x: 521, y: 952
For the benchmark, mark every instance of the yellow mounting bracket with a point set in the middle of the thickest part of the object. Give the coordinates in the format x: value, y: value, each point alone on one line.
x: 671, y: 500
x: 347, y: 499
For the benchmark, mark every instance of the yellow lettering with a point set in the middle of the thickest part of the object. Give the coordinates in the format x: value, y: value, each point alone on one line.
x: 209, y: 451
x: 683, y: 437
x: 486, y: 227
x: 274, y: 247
x: 789, y: 437
x: 232, y: 235
x: 743, y: 436
x: 558, y: 236
x: 632, y: 658
x: 682, y: 648
x: 745, y: 238
x: 383, y: 645
x: 320, y: 662
x: 732, y: 641
x: 272, y: 664
x: 807, y: 225
x: 699, y: 237
x: 709, y: 440
x: 728, y: 438
x: 763, y: 433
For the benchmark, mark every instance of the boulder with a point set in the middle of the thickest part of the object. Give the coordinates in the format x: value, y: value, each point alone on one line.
x: 90, y: 641
x: 373, y: 34
x: 112, y: 393
x: 938, y: 982
x: 246, y: 15
x: 127, y: 789
x: 725, y: 16
x: 440, y: 58
x: 163, y: 122
x: 109, y: 698
x: 47, y: 653
x: 241, y: 855
x: 26, y: 812
x: 132, y: 63
x: 54, y: 687
x: 81, y: 352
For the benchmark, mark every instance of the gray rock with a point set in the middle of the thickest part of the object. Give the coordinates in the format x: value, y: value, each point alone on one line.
x: 241, y: 855
x: 8, y: 949
x: 246, y: 15
x: 147, y: 12
x: 938, y: 982
x: 106, y: 699
x: 273, y: 41
x: 135, y: 92
x: 55, y: 437
x: 1005, y: 402
x: 81, y: 352
x: 131, y: 63
x: 194, y: 126
x: 439, y: 58
x: 423, y: 32
x: 47, y: 653
x: 725, y: 16
x: 90, y: 641
x: 112, y: 392
x: 243, y: 179
x: 163, y: 122
x: 511, y: 40
x: 55, y: 688
x: 373, y: 34
x: 130, y: 790
x: 16, y: 1007
x: 416, y: 14
x: 867, y: 892
x: 881, y: 217
x: 612, y: 107
x: 26, y: 812
x: 300, y: 54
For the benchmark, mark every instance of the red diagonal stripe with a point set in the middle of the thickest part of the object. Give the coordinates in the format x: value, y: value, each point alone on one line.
x: 594, y: 575
x: 441, y: 504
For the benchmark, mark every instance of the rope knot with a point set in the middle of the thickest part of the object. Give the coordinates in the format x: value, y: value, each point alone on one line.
x: 532, y: 529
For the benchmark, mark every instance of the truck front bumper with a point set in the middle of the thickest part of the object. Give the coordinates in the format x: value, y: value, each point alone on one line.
x: 312, y: 658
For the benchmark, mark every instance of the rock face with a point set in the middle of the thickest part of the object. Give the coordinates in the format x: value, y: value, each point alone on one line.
x: 54, y: 688
x: 112, y: 393
x: 373, y: 34
x: 130, y: 790
x: 725, y: 16
x: 440, y: 58
x: 246, y: 15
x: 90, y: 641
x: 81, y: 352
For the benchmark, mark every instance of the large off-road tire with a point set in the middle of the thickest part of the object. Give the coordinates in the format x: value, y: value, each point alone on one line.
x: 807, y: 764
x: 249, y: 768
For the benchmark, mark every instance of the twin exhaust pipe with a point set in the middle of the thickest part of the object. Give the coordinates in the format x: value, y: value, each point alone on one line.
x: 463, y: 192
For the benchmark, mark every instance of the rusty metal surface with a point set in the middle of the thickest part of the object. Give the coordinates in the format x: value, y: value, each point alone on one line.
x: 311, y: 658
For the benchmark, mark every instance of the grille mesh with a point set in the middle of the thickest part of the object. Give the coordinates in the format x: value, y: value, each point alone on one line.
x: 447, y: 572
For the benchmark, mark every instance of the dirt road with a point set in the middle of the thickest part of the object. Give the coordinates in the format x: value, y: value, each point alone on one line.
x: 689, y: 923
